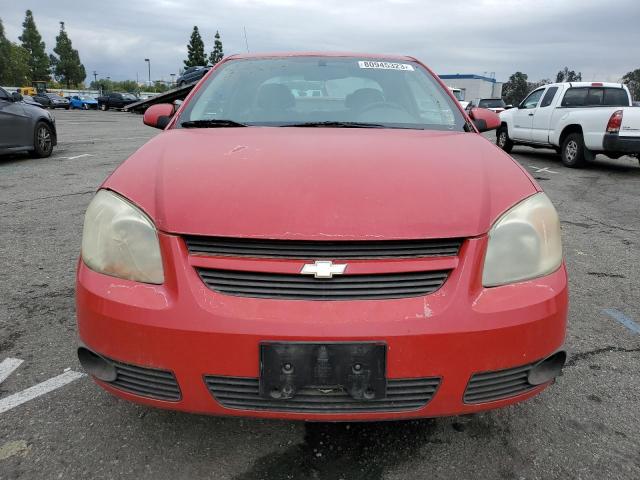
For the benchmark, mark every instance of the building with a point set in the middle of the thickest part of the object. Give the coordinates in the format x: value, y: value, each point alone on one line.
x: 474, y: 87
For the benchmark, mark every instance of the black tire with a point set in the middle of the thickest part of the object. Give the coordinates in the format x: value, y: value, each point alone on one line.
x: 67, y: 108
x: 42, y: 140
x: 104, y: 107
x: 574, y: 153
x: 502, y: 139
x: 181, y: 84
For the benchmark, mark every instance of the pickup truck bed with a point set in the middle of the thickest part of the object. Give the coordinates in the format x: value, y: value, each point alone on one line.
x: 577, y: 119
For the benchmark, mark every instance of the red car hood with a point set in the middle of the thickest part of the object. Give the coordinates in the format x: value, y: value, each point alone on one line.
x: 322, y: 183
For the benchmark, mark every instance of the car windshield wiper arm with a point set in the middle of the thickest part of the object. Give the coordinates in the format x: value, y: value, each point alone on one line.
x: 335, y: 124
x: 211, y: 123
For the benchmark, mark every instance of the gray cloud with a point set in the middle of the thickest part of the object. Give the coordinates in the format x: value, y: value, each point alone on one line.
x: 537, y: 37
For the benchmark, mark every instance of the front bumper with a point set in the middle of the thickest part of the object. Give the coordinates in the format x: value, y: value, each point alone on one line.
x: 184, y: 328
x: 615, y: 143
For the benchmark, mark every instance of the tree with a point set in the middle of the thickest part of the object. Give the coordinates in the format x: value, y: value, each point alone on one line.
x: 217, y: 53
x: 539, y: 83
x: 632, y: 79
x: 195, y: 50
x: 66, y: 67
x: 514, y: 90
x: 33, y: 44
x: 566, y: 75
x: 14, y: 62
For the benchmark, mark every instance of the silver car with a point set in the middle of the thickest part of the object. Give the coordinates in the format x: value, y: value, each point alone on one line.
x: 25, y: 127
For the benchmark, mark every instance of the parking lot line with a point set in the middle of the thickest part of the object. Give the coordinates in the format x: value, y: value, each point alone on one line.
x: 30, y: 393
x: 7, y: 367
x: 623, y: 319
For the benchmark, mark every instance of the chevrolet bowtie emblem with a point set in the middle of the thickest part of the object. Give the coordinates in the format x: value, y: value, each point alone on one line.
x: 323, y: 269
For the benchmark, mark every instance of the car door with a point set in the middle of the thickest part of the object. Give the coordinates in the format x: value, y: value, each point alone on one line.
x: 115, y: 100
x: 189, y: 74
x: 14, y: 123
x: 542, y: 116
x: 523, y: 116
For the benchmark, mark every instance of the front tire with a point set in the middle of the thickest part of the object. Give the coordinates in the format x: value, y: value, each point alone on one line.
x: 42, y: 140
x: 502, y: 139
x: 574, y: 153
x: 103, y: 107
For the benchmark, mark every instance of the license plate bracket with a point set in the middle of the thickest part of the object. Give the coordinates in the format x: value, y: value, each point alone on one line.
x: 357, y: 368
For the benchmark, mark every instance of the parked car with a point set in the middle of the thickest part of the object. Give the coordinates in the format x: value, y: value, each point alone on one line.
x: 578, y: 119
x: 496, y: 105
x: 83, y: 102
x: 25, y: 127
x: 192, y: 74
x: 116, y: 100
x: 368, y: 257
x: 51, y: 100
x: 457, y: 92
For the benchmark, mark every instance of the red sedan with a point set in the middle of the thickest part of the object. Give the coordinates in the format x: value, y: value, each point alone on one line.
x: 321, y: 237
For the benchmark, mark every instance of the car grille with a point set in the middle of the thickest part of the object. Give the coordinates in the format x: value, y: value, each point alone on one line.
x: 491, y: 386
x: 302, y: 287
x: 146, y: 382
x: 243, y: 393
x: 304, y: 249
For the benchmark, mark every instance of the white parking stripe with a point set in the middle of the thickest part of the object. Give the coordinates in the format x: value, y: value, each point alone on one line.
x: 541, y: 170
x: 7, y: 367
x: 19, y: 398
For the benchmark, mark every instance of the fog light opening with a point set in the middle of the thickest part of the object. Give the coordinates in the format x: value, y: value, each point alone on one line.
x: 97, y: 366
x: 547, y: 369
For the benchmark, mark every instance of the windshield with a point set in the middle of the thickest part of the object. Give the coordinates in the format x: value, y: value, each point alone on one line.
x: 129, y: 96
x: 324, y: 90
x: 85, y: 97
x: 491, y: 103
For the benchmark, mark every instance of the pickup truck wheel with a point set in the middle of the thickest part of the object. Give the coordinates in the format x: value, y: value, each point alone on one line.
x: 503, y: 140
x: 103, y: 107
x: 574, y: 153
x: 42, y: 140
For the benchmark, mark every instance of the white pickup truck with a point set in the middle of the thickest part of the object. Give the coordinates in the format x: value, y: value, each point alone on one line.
x: 577, y: 119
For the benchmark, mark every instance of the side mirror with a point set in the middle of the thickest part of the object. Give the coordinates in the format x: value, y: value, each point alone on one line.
x: 16, y: 97
x: 158, y: 116
x: 484, y: 119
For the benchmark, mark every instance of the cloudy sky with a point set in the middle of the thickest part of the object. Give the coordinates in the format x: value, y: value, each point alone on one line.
x: 538, y: 37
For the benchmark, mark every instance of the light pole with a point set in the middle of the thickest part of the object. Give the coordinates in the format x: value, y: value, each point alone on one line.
x: 149, y: 65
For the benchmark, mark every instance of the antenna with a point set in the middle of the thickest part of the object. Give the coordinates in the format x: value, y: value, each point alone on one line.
x: 246, y: 42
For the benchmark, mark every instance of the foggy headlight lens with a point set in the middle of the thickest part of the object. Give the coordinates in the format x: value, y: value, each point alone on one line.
x: 118, y: 239
x: 524, y: 243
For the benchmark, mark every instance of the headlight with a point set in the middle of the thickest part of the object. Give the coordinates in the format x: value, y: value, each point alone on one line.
x: 118, y: 239
x: 524, y: 243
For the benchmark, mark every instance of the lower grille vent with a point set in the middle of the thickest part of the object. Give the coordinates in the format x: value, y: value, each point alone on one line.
x: 243, y: 393
x: 146, y: 382
x: 491, y: 386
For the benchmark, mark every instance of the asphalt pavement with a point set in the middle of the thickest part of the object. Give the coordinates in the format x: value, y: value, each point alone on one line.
x: 57, y: 424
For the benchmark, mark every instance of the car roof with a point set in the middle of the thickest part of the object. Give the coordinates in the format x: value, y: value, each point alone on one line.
x: 585, y: 84
x: 378, y: 56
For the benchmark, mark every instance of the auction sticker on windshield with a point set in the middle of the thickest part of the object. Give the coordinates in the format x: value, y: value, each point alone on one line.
x: 385, y: 65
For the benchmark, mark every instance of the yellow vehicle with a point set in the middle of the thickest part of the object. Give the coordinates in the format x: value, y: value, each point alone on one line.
x: 36, y: 87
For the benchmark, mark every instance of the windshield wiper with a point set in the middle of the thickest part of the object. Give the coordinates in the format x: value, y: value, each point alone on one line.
x: 335, y: 124
x: 211, y: 123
